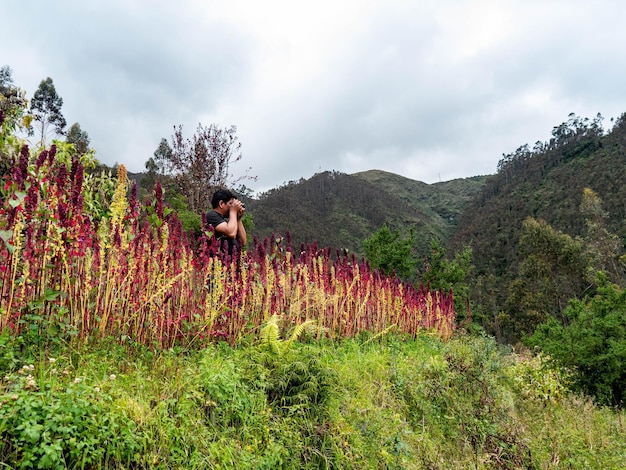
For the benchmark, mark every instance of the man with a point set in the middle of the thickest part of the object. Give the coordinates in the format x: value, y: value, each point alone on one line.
x: 225, y: 218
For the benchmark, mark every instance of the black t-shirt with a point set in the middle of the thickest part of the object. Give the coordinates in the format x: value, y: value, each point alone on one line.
x: 214, y: 218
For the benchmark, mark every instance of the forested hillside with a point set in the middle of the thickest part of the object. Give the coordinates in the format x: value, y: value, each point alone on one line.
x: 340, y: 210
x: 545, y: 183
x: 443, y: 202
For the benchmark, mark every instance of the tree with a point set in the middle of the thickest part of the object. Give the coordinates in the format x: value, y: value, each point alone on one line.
x: 592, y: 344
x: 389, y: 253
x: 79, y: 138
x: 553, y: 272
x: 12, y: 100
x: 605, y: 249
x: 199, y: 165
x: 446, y: 274
x: 46, y: 109
x: 155, y: 168
x: 12, y: 106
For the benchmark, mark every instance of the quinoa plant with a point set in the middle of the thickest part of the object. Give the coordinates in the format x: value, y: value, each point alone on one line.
x: 82, y: 257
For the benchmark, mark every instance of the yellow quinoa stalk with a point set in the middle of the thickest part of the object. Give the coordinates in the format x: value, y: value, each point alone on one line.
x: 87, y: 291
x: 270, y: 281
x: 119, y: 203
x: 301, y: 299
x: 107, y: 284
x: 244, y: 282
x: 18, y: 239
x: 215, y: 285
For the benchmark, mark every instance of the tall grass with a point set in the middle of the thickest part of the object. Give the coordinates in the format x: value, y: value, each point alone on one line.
x: 351, y: 404
x: 81, y: 257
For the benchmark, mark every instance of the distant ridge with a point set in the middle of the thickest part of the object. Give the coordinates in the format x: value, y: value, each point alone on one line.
x: 339, y: 210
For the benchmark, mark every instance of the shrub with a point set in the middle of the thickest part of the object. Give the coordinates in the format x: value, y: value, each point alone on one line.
x: 592, y: 344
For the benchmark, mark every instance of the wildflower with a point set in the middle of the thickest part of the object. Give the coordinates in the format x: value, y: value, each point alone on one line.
x: 112, y: 376
x: 30, y: 383
x: 96, y: 389
x: 52, y: 360
x: 78, y: 380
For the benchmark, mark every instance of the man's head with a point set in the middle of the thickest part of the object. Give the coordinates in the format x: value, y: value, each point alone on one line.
x: 222, y: 195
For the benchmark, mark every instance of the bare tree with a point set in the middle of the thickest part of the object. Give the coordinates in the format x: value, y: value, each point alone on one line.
x: 201, y: 164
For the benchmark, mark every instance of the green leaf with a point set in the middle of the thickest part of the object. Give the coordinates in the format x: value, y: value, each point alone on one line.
x: 19, y: 198
x: 51, y: 294
x: 6, y: 236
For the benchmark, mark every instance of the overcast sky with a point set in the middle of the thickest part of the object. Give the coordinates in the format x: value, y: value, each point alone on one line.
x: 432, y: 90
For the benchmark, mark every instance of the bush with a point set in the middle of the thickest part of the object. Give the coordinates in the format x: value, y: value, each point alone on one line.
x: 592, y: 344
x: 458, y: 398
x: 49, y: 420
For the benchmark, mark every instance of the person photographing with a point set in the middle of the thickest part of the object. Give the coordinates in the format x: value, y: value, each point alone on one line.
x: 225, y: 218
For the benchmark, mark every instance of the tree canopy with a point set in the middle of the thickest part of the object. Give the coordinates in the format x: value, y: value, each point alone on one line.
x: 388, y: 251
x: 79, y: 138
x: 46, y: 110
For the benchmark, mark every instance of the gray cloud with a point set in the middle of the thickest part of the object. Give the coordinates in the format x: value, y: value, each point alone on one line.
x: 430, y: 91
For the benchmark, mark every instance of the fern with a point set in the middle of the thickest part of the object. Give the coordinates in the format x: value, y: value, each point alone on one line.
x: 308, y: 325
x: 297, y: 381
x: 270, y: 335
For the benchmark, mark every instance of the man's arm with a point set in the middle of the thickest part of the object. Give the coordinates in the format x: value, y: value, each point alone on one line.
x: 231, y: 228
x: 241, y: 232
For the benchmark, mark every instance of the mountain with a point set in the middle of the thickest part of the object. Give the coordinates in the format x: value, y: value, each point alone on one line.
x: 339, y: 210
x: 443, y: 202
x: 546, y: 183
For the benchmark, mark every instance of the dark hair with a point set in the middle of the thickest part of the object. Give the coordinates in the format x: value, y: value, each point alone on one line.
x: 221, y: 195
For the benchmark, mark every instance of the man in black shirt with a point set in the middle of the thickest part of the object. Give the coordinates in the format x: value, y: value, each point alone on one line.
x: 225, y: 218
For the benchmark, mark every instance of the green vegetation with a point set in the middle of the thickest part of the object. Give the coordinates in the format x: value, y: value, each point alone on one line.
x: 114, y: 354
x: 339, y: 210
x: 441, y: 202
x: 393, y: 255
x: 450, y: 274
x: 385, y: 402
x: 591, y: 343
x: 559, y: 185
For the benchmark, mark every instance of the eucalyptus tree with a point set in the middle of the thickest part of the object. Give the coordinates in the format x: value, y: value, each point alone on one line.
x: 79, y: 137
x: 46, y: 110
